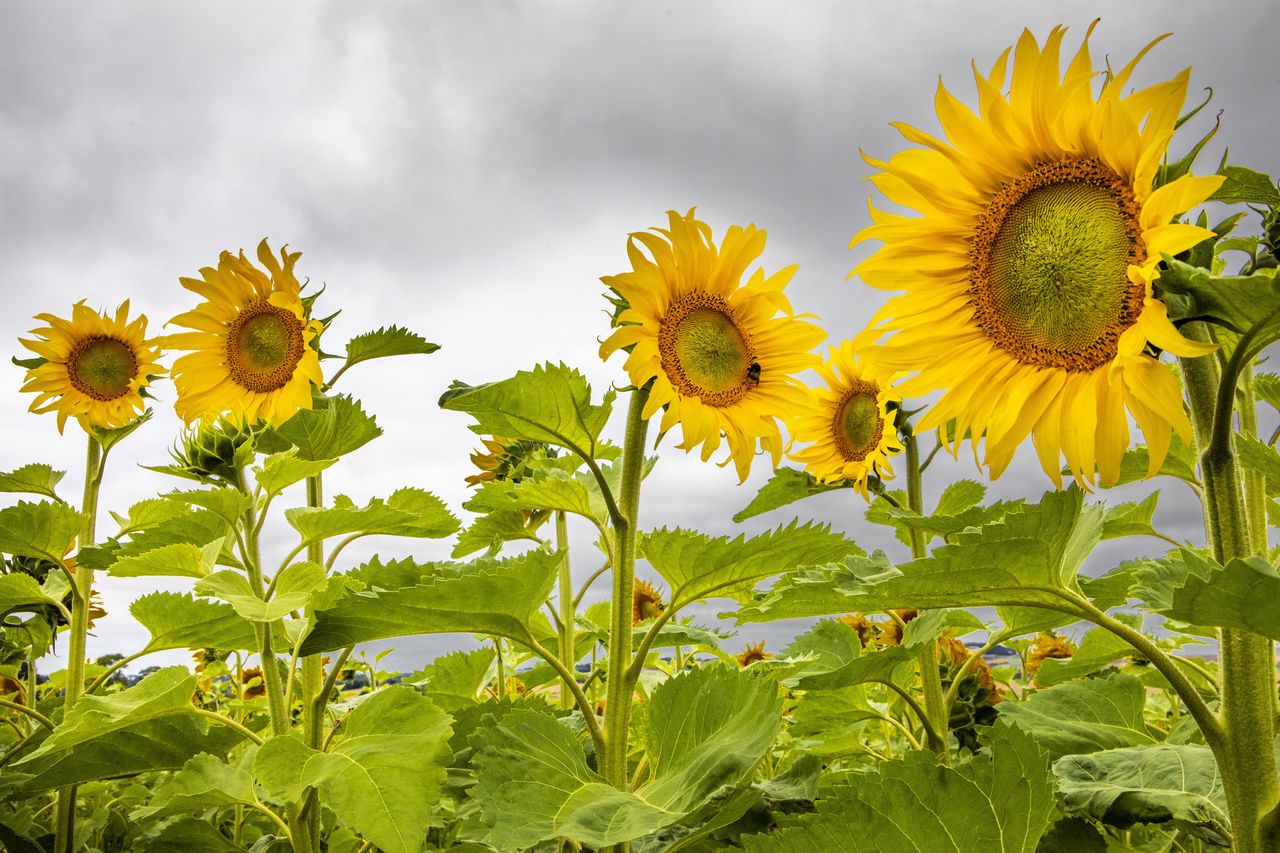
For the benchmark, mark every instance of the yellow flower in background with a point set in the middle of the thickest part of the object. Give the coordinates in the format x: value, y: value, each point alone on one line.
x: 646, y: 603
x: 850, y: 429
x: 95, y: 366
x: 1028, y: 273
x: 720, y: 353
x: 252, y: 351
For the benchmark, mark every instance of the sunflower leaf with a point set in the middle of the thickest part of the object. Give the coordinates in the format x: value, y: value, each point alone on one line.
x: 880, y: 665
x: 1000, y: 800
x: 204, y: 782
x: 1247, y: 305
x: 387, y: 341
x: 33, y: 479
x: 787, y: 485
x: 698, y: 566
x: 485, y: 596
x: 333, y: 427
x: 381, y: 776
x: 408, y: 512
x: 42, y: 530
x: 490, y: 531
x: 1179, y: 462
x: 1192, y: 588
x: 293, y: 588
x: 1079, y: 717
x: 1267, y: 387
x: 455, y: 680
x: 19, y: 592
x: 551, y: 403
x: 1098, y: 650
x: 279, y: 471
x: 1146, y: 784
x: 1245, y: 186
x: 179, y: 621
x: 1131, y: 519
x: 702, y: 730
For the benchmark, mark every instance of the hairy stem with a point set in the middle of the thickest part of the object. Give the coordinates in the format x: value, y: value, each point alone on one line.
x: 935, y: 705
x: 566, y: 613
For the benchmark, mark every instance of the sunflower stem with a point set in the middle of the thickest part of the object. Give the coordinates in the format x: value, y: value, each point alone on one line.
x: 1246, y: 760
x: 617, y: 711
x: 935, y: 704
x: 311, y: 677
x: 566, y: 604
x: 77, y: 641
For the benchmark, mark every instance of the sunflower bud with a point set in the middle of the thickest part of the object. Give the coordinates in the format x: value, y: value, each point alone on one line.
x: 215, y: 454
x: 1271, y: 230
x: 503, y: 459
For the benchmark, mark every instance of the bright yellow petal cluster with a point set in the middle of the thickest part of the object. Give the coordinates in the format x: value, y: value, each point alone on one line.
x: 850, y: 428
x: 720, y: 353
x: 253, y: 353
x: 96, y: 366
x: 1028, y: 274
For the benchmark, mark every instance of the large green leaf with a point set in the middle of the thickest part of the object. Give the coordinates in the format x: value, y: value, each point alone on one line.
x: 551, y: 403
x: 880, y: 665
x: 281, y: 470
x: 490, y: 531
x: 204, y: 782
x: 959, y: 506
x: 698, y: 566
x: 184, y: 544
x: 21, y: 592
x: 331, y: 428
x: 786, y: 486
x: 44, y: 530
x: 178, y: 621
x: 1153, y: 784
x: 1030, y: 557
x: 485, y: 596
x: 387, y: 341
x: 1131, y: 519
x: 1099, y: 649
x: 33, y: 479
x: 703, y: 730
x: 408, y: 512
x: 1247, y: 305
x: 1135, y: 465
x: 160, y: 743
x: 1245, y: 186
x: 455, y: 680
x: 1084, y: 716
x: 1193, y: 588
x: 186, y: 835
x: 293, y: 590
x: 381, y: 776
x: 1001, y: 800
x: 549, y: 490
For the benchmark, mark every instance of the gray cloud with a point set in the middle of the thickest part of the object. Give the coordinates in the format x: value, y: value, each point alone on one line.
x: 470, y: 170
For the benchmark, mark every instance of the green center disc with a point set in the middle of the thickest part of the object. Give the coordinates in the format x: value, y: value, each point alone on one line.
x: 711, y: 351
x: 102, y: 368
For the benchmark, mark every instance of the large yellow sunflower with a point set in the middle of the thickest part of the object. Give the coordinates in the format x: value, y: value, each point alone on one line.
x: 1028, y: 275
x: 253, y: 351
x: 95, y: 366
x: 850, y: 428
x: 720, y: 353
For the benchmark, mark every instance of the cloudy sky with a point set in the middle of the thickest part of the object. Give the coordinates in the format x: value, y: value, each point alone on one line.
x: 470, y: 169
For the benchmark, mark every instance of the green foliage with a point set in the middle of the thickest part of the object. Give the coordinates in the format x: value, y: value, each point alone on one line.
x: 32, y: 479
x: 1131, y: 519
x: 1245, y: 186
x: 1099, y: 649
x: 178, y: 621
x: 205, y: 781
x: 1079, y: 717
x: 408, y: 512
x: 1246, y: 305
x: 387, y: 341
x: 181, y: 543
x: 21, y: 592
x: 486, y: 596
x: 293, y: 590
x: 1001, y: 800
x: 381, y: 776
x: 880, y: 665
x: 331, y: 428
x: 1153, y: 784
x: 1192, y: 588
x: 551, y: 403
x: 455, y: 680
x: 281, y: 470
x: 43, y: 530
x: 786, y: 486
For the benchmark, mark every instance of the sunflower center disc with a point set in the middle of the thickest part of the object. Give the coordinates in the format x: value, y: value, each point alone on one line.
x: 102, y: 368
x: 857, y: 426
x: 704, y: 353
x: 1048, y: 265
x: 263, y: 347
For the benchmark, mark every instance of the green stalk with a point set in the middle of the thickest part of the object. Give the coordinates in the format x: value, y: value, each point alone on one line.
x: 77, y: 645
x: 935, y: 705
x: 617, y: 711
x: 567, y: 656
x: 1246, y: 760
x: 311, y: 677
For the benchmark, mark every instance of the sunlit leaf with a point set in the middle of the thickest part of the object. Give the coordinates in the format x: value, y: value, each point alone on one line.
x: 20, y: 592
x: 178, y: 621
x: 1192, y: 588
x: 33, y: 479
x: 292, y: 591
x: 387, y: 341
x: 279, y: 471
x: 408, y: 512
x: 491, y: 530
x: 455, y: 680
x: 1079, y: 717
x: 331, y: 428
x: 44, y: 530
x: 204, y: 782
x: 1245, y: 186
x: 787, y: 485
x: 1131, y: 519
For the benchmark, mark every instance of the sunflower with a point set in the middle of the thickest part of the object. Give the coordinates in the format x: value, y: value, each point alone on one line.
x: 850, y: 428
x: 1029, y: 274
x: 93, y: 366
x: 504, y: 459
x: 646, y: 603
x: 719, y: 353
x: 751, y: 654
x: 1047, y: 646
x: 253, y: 352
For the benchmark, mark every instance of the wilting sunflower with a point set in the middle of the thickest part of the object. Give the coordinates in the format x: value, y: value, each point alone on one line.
x: 1028, y: 275
x: 1047, y: 646
x: 252, y: 351
x: 95, y: 366
x: 721, y: 354
x: 850, y: 428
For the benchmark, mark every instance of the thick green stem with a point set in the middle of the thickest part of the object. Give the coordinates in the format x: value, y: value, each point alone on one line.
x: 311, y: 677
x: 567, y: 655
x: 78, y: 634
x: 617, y: 711
x: 935, y: 704
x: 1245, y: 756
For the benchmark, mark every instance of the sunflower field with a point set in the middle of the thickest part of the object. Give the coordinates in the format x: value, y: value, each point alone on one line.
x: 1059, y: 270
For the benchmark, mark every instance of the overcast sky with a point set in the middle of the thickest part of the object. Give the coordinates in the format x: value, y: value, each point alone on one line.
x: 470, y: 169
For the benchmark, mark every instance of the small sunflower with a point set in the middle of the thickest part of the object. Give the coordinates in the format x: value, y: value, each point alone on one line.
x: 1047, y: 646
x: 752, y: 653
x: 1029, y: 274
x: 95, y: 366
x: 252, y: 683
x: 253, y: 353
x: 646, y: 603
x: 720, y: 354
x: 504, y: 459
x: 850, y: 429
x: 862, y: 626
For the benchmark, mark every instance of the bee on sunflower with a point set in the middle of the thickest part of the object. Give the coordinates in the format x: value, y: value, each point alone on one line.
x: 253, y: 352
x: 1028, y: 275
x: 720, y: 354
x: 94, y: 367
x: 850, y: 428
